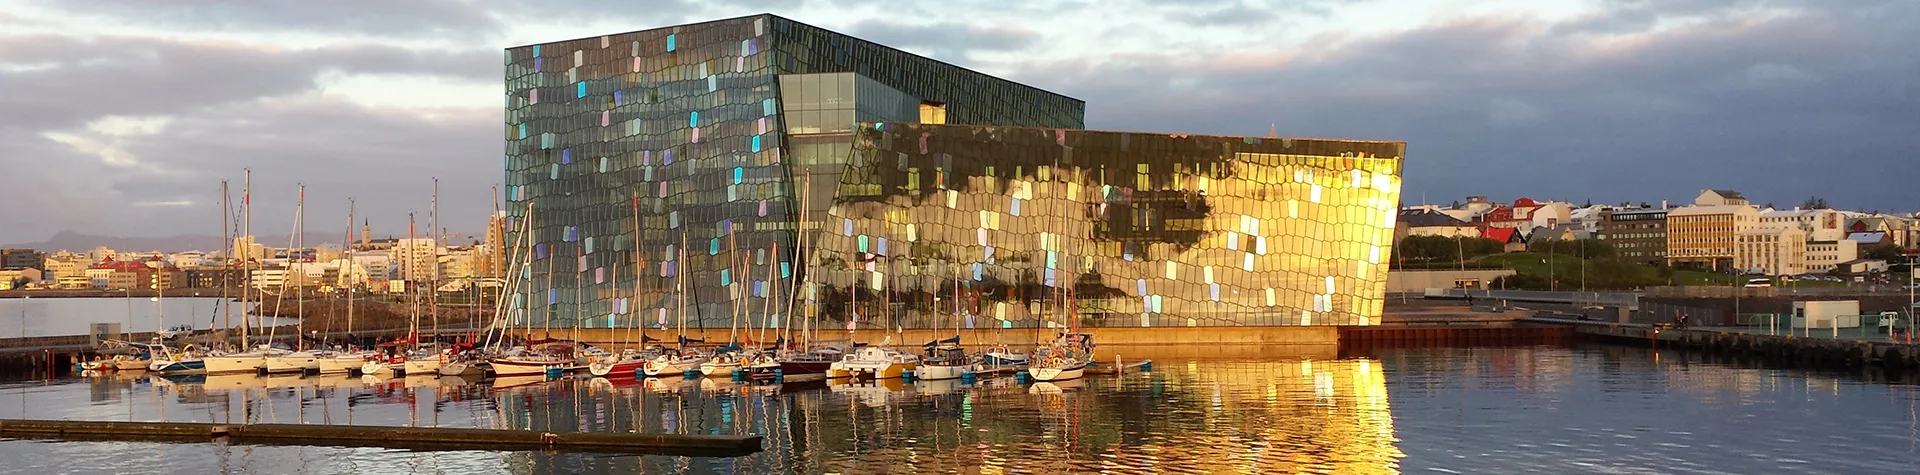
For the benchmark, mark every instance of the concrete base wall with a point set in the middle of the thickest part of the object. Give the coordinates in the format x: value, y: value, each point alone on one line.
x: 1167, y: 340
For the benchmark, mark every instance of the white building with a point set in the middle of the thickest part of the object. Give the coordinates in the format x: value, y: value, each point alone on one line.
x: 1819, y: 224
x: 1771, y: 251
x: 1824, y: 256
x: 414, y: 259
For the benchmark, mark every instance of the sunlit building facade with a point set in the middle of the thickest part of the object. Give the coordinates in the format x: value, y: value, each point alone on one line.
x: 713, y: 156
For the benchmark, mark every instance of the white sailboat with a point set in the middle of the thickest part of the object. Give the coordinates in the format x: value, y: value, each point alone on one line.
x: 874, y: 362
x: 299, y: 360
x: 1067, y: 356
x: 244, y: 361
x: 685, y: 359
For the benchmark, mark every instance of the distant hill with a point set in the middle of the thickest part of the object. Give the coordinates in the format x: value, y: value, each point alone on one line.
x: 79, y: 242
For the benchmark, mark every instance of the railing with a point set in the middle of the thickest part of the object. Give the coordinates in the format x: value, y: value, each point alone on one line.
x: 1839, y: 327
x: 1611, y: 299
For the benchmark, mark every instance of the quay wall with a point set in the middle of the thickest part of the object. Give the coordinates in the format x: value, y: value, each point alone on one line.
x: 1308, y: 339
x: 1784, y: 348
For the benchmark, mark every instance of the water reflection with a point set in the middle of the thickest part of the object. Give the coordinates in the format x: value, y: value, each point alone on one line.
x: 1198, y: 417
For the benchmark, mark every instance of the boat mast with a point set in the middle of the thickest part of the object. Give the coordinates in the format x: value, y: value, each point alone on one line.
x: 347, y: 268
x: 579, y: 290
x: 413, y: 294
x: 639, y: 266
x: 680, y: 280
x: 733, y: 288
x: 226, y: 237
x: 296, y: 257
x: 433, y: 253
x: 246, y: 267
x: 546, y: 322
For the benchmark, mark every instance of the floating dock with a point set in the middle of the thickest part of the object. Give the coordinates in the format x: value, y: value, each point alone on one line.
x: 1815, y: 350
x: 405, y: 438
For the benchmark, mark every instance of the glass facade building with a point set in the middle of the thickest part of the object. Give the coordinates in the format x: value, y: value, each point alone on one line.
x: 710, y: 155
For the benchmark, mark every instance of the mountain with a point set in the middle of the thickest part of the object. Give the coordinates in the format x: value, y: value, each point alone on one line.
x: 79, y: 242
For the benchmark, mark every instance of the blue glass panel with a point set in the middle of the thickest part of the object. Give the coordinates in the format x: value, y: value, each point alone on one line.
x: 693, y: 119
x: 553, y: 172
x: 536, y: 50
x: 580, y: 89
x: 616, y: 98
x: 713, y: 247
x: 523, y: 131
x: 670, y: 42
x: 756, y: 143
x: 726, y: 278
x: 882, y: 246
x: 738, y: 174
x: 589, y: 244
x: 786, y: 270
x: 976, y: 271
x: 766, y: 107
x: 863, y: 243
x: 566, y: 156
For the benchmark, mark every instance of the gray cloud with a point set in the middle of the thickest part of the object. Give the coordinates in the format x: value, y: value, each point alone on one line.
x: 1816, y: 102
x: 1230, y: 15
x: 945, y: 40
x: 411, y: 18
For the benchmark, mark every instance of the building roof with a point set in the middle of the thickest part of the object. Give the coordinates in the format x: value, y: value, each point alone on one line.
x: 1862, y: 260
x: 1867, y: 238
x: 1621, y: 211
x: 1705, y: 210
x: 1500, y: 234
x: 1729, y: 194
x: 1422, y: 218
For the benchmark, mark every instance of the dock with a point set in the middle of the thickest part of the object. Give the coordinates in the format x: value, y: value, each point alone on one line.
x: 1816, y: 350
x: 404, y: 438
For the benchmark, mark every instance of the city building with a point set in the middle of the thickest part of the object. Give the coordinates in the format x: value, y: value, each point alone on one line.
x: 11, y: 259
x: 1720, y: 198
x: 1771, y: 251
x: 245, y: 250
x: 1702, y: 236
x: 1825, y: 256
x: 25, y: 277
x: 739, y: 137
x: 1819, y: 224
x: 1636, y: 234
x: 1431, y: 222
x: 414, y: 259
x: 491, y: 260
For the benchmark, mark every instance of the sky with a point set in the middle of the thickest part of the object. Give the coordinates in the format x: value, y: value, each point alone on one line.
x: 121, y: 117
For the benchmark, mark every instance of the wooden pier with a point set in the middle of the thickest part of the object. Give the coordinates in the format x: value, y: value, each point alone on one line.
x: 406, y: 438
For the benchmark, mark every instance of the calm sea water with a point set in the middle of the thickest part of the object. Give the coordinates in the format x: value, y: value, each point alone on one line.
x: 1487, y: 410
x: 73, y: 316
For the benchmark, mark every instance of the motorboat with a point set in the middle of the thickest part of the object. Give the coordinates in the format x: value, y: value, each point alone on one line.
x: 166, y: 360
x: 674, y: 363
x: 811, y: 364
x: 723, y: 363
x: 945, y: 360
x: 874, y: 362
x: 627, y: 364
x: 1004, y: 357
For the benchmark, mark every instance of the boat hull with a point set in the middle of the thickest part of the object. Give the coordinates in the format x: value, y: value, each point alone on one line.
x: 376, y: 368
x: 132, y: 364
x: 674, y: 368
x: 510, y: 368
x: 463, y: 368
x: 178, y: 367
x: 234, y: 364
x: 622, y: 369
x: 293, y: 363
x: 940, y: 372
x: 342, y: 364
x: 1004, y: 360
x: 870, y: 370
x: 712, y: 369
x: 422, y: 366
x: 1058, y: 373
x: 798, y: 371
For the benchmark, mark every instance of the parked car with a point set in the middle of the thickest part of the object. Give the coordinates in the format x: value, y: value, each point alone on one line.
x: 1759, y: 283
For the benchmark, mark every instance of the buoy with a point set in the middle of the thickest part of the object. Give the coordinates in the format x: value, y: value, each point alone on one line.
x: 691, y: 374
x: 639, y: 373
x: 554, y: 373
x: 1146, y: 366
x: 1022, y: 377
x: 967, y: 377
x: 906, y: 375
x: 739, y: 375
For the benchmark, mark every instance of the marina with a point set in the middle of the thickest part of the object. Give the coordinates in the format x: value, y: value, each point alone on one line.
x: 1555, y: 408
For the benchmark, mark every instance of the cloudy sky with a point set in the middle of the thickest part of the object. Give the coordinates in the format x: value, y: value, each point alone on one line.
x: 120, y: 117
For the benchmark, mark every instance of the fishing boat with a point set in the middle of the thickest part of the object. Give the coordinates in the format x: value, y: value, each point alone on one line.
x: 1003, y: 356
x: 1063, y: 360
x: 945, y: 360
x: 874, y: 362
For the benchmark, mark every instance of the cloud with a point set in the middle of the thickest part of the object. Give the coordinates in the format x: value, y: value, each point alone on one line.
x: 945, y: 40
x: 411, y: 18
x: 1232, y: 15
x: 1512, y: 105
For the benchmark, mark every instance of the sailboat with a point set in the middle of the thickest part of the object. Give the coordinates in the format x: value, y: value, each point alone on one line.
x: 300, y: 360
x: 685, y: 359
x: 166, y: 360
x: 248, y: 360
x: 142, y: 356
x: 1067, y: 356
x: 345, y: 360
x: 946, y: 359
x: 874, y: 362
x: 813, y: 363
x: 427, y: 359
x: 730, y: 358
x: 628, y: 363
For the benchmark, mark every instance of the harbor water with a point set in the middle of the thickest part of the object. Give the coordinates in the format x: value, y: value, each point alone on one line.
x: 1584, y: 409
